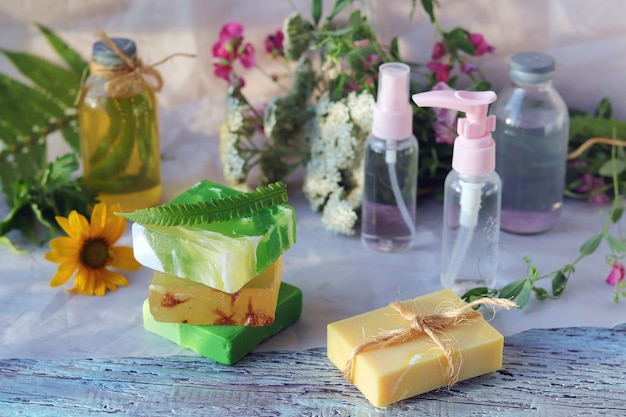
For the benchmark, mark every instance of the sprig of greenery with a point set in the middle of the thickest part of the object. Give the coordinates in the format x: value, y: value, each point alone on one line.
x: 36, y: 191
x: 215, y: 210
x: 39, y: 199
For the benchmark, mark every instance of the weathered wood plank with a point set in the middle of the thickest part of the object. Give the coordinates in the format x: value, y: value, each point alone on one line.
x: 559, y: 372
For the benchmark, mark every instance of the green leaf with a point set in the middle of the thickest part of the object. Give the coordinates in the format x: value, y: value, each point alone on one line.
x: 611, y: 165
x: 71, y: 57
x: 458, y: 38
x: 604, y: 109
x: 480, y: 86
x: 25, y: 108
x: 394, y: 49
x: 585, y: 126
x: 540, y: 293
x: 512, y: 289
x: 591, y: 245
x: 559, y: 282
x: 475, y: 294
x: 7, y: 242
x: 616, y: 213
x: 524, y: 295
x: 354, y: 21
x: 429, y: 9
x: 336, y: 33
x: 71, y: 136
x: 316, y: 11
x: 337, y: 8
x: 59, y: 83
x: 616, y: 245
x: 216, y: 210
x: 59, y: 172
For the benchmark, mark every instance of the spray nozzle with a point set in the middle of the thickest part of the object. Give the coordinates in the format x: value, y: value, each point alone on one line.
x: 393, y: 115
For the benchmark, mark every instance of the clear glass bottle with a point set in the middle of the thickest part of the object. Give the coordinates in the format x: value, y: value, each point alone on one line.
x: 472, y: 193
x: 119, y: 135
x: 532, y: 132
x: 391, y: 163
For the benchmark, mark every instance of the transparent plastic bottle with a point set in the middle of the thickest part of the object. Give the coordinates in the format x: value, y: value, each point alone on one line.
x: 532, y: 131
x: 469, y: 250
x: 119, y: 135
x: 391, y: 163
x: 472, y: 193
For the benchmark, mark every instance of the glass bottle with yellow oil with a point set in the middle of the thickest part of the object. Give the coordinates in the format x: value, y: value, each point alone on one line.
x: 119, y: 137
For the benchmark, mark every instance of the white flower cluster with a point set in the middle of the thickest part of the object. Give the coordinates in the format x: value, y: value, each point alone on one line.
x: 230, y: 135
x: 338, y: 216
x: 333, y: 179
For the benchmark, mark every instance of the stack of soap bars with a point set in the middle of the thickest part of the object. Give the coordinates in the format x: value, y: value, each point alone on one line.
x: 217, y: 285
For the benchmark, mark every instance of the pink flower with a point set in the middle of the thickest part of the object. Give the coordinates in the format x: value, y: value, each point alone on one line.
x: 247, y: 56
x: 600, y: 198
x: 589, y: 184
x: 438, y: 51
x: 222, y: 71
x: 468, y: 67
x: 445, y: 125
x: 441, y: 70
x: 230, y: 48
x: 230, y: 31
x: 219, y: 51
x: 274, y: 44
x: 445, y: 131
x: 617, y: 273
x: 480, y: 44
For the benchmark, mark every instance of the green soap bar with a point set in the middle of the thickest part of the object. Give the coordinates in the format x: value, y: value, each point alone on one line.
x: 228, y: 344
x: 221, y: 255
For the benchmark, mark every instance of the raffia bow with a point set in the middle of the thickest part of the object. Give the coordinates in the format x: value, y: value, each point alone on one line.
x: 122, y: 80
x: 427, y: 324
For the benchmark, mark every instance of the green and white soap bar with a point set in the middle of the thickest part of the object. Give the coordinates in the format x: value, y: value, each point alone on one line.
x: 224, y: 255
x: 224, y: 343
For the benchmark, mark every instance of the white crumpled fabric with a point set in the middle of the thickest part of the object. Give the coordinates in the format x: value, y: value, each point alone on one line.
x: 338, y: 277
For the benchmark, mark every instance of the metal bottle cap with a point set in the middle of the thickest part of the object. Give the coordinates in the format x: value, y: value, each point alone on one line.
x: 531, y: 67
x: 102, y: 54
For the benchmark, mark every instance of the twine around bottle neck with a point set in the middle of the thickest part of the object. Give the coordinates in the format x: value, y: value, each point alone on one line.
x: 123, y: 80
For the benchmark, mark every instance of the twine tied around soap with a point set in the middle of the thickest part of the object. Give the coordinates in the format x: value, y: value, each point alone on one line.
x: 430, y: 325
x: 122, y: 80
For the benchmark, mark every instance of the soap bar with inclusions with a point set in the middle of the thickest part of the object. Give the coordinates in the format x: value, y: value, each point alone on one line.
x: 228, y: 344
x: 223, y: 255
x: 392, y: 373
x: 180, y: 300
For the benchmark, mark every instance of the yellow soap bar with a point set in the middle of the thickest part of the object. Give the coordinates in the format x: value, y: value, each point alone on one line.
x: 386, y: 374
x: 179, y: 300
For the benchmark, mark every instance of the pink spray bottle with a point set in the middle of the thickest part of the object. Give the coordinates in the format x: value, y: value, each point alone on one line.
x: 391, y: 158
x: 472, y: 195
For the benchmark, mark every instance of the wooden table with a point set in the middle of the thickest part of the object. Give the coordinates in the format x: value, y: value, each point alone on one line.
x: 549, y: 372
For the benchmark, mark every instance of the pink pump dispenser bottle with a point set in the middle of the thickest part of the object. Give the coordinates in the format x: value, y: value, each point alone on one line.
x: 472, y: 195
x: 391, y: 157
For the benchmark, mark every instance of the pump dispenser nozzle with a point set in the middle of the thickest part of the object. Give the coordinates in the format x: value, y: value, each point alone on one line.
x: 474, y: 148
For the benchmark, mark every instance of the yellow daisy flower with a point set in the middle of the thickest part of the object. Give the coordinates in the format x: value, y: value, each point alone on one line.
x: 88, y: 250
